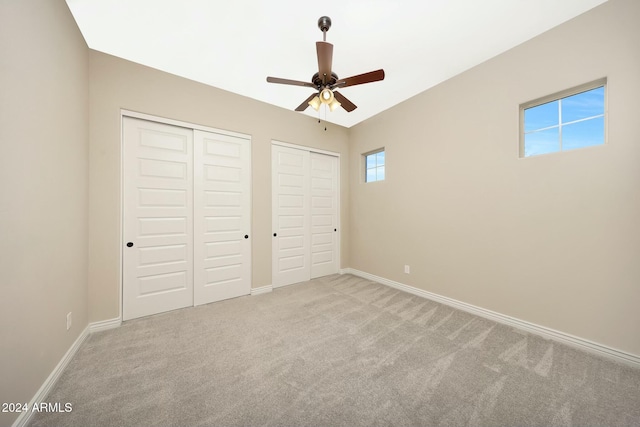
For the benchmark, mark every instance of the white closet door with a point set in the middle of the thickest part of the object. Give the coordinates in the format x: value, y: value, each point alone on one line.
x: 290, y: 216
x: 158, y: 212
x: 222, y: 250
x: 324, y: 215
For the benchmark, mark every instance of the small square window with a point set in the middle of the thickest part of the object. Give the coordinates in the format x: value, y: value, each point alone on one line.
x: 571, y: 119
x: 374, y: 166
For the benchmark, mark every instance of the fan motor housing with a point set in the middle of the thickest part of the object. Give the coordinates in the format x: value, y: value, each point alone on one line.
x: 317, y: 80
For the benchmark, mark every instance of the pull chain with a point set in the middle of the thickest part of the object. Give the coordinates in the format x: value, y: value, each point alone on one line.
x: 325, y: 117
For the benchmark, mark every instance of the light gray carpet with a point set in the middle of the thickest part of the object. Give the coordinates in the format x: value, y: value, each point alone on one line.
x: 336, y: 351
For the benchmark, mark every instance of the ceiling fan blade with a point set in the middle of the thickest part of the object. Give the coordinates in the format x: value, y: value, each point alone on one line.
x: 325, y: 58
x: 345, y: 103
x: 372, y: 76
x: 289, y: 82
x: 305, y: 104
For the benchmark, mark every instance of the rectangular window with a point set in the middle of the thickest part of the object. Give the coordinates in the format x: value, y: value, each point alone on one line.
x: 374, y: 166
x: 571, y: 119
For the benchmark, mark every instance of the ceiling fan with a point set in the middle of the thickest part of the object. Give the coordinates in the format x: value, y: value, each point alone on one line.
x: 325, y: 81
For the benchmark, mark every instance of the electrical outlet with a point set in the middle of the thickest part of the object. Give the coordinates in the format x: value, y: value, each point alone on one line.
x: 68, y: 321
x: 407, y: 269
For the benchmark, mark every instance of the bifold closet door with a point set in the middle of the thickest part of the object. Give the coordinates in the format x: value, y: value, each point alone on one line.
x: 222, y: 223
x: 305, y: 215
x: 158, y: 215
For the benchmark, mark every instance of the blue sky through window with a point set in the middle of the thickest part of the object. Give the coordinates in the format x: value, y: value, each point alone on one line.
x: 542, y: 142
x: 575, y: 121
x: 541, y: 117
x: 582, y: 105
x: 583, y: 134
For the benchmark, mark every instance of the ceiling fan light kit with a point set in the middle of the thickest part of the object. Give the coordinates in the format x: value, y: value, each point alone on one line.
x: 325, y: 81
x: 326, y: 97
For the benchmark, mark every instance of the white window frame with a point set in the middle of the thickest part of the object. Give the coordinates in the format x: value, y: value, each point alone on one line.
x: 559, y: 96
x: 364, y: 163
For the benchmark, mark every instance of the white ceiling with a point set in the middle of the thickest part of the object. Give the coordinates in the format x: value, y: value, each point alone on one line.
x: 235, y: 45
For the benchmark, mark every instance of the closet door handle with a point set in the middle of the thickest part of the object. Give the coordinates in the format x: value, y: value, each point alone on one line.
x: 275, y: 234
x: 129, y: 244
x: 246, y: 236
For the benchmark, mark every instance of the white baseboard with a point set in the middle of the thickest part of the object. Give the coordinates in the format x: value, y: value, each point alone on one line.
x: 104, y: 325
x: 261, y: 290
x: 571, y: 340
x: 40, y: 396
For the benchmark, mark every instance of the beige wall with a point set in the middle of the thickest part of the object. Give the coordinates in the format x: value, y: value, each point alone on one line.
x: 116, y: 84
x: 555, y: 239
x: 44, y: 132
